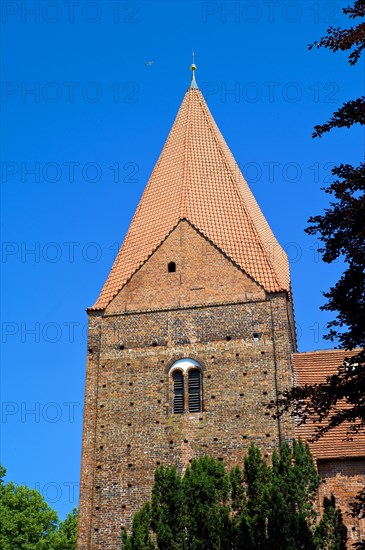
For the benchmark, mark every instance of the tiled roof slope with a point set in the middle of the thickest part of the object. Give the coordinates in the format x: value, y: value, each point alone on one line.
x: 196, y: 178
x: 313, y: 368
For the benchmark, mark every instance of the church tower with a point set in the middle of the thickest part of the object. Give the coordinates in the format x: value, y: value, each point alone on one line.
x: 192, y: 333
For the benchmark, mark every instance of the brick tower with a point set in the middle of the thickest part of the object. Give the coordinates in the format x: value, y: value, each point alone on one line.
x: 191, y: 335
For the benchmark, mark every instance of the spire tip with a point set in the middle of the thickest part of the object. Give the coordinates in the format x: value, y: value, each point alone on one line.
x: 193, y: 67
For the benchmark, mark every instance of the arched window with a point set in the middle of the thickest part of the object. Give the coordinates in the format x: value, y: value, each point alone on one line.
x: 178, y: 381
x: 186, y: 378
x: 194, y: 390
x: 171, y: 268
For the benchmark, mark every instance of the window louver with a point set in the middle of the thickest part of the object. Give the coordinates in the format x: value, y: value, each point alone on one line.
x: 178, y: 392
x: 194, y: 391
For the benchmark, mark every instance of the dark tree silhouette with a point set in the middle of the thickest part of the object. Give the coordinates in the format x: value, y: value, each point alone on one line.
x: 341, y: 229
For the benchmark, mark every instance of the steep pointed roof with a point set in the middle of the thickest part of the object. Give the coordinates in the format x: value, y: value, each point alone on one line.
x: 196, y: 178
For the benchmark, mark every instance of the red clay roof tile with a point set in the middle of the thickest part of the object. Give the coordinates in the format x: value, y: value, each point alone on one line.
x: 196, y: 178
x: 313, y: 368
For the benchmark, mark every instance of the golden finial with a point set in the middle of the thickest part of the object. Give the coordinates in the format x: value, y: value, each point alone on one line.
x: 193, y: 66
x: 193, y: 84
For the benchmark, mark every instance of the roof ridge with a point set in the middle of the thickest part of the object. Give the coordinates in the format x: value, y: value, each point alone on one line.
x: 328, y: 350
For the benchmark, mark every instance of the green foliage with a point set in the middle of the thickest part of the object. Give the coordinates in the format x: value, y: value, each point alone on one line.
x: 252, y: 527
x: 141, y: 531
x: 2, y: 475
x: 237, y: 491
x: 279, y: 509
x: 296, y: 477
x: 257, y: 507
x: 66, y: 535
x: 331, y: 533
x: 168, y: 509
x: 206, y: 488
x: 294, y: 484
x: 29, y: 523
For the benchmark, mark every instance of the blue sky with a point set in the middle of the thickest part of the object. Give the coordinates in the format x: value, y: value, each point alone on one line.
x: 85, y: 118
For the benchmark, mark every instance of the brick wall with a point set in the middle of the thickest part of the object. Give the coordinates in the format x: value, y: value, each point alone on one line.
x: 344, y: 478
x: 89, y: 431
x: 210, y: 311
x: 203, y: 275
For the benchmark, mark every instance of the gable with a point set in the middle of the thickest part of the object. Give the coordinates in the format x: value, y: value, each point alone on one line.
x: 203, y: 275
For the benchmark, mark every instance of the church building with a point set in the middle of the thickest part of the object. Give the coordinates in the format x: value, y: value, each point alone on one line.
x: 191, y: 337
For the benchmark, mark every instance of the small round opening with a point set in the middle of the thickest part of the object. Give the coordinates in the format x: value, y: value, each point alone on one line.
x: 171, y: 267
